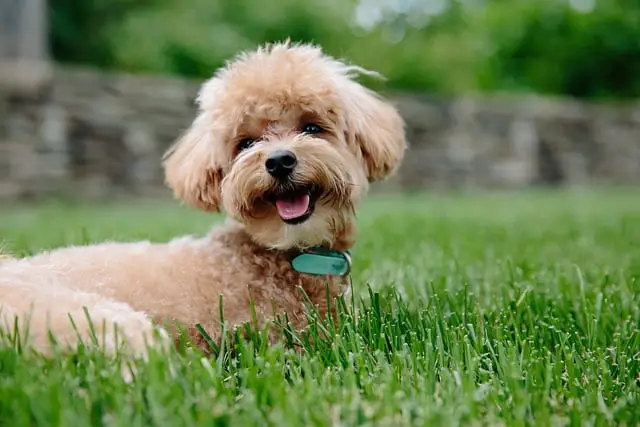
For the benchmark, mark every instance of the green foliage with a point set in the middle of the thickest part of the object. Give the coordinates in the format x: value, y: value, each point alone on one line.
x: 81, y: 30
x: 549, y: 47
x: 481, y: 310
x: 581, y: 48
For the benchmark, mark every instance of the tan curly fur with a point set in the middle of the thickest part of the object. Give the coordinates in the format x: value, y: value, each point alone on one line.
x: 268, y: 95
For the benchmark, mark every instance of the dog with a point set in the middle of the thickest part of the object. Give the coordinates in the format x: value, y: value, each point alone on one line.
x: 286, y: 143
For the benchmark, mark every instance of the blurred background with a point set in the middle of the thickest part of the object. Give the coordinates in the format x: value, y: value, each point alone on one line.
x: 496, y: 93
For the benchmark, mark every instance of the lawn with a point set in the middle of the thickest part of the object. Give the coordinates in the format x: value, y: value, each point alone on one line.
x: 487, y: 309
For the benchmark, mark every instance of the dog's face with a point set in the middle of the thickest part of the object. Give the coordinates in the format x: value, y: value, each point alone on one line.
x: 286, y: 143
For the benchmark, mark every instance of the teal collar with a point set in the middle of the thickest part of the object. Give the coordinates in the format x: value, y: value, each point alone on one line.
x: 323, y: 262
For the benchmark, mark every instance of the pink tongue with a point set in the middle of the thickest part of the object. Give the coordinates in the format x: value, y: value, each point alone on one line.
x: 293, y: 208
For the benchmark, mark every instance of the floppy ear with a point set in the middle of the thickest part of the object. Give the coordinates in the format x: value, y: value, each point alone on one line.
x: 375, y: 131
x: 192, y: 166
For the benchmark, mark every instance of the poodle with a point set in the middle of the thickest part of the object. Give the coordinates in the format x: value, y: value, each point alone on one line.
x: 286, y: 143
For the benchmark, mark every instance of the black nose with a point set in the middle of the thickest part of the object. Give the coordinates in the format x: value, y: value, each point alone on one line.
x: 281, y: 163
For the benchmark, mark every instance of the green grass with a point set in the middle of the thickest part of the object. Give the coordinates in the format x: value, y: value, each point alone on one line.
x: 496, y: 309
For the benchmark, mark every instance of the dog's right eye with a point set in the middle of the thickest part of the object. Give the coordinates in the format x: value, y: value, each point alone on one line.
x: 245, y: 143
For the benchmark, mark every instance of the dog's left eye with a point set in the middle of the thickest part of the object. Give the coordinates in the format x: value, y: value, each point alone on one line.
x: 311, y: 128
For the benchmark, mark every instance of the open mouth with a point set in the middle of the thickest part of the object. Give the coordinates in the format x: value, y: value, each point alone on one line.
x: 294, y: 207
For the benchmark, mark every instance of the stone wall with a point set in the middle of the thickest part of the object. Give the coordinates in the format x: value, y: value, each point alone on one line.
x: 88, y: 134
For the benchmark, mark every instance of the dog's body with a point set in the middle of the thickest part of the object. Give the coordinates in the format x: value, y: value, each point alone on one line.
x: 287, y: 144
x: 180, y: 280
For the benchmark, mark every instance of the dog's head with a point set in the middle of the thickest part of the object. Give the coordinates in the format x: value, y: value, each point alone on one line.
x: 286, y: 142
